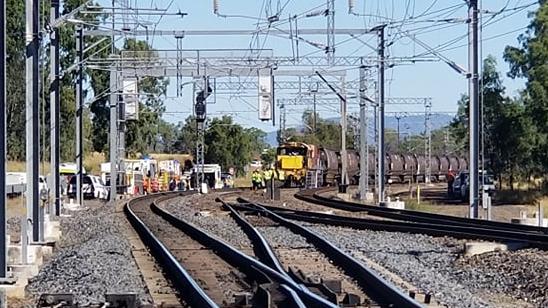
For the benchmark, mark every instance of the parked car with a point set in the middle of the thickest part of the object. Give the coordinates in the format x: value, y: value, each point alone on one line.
x: 462, y: 183
x: 92, y: 187
x: 100, y: 190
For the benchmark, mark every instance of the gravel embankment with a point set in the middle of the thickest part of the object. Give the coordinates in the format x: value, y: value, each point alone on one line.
x: 522, y: 274
x: 93, y: 258
x: 430, y: 264
x: 202, y: 211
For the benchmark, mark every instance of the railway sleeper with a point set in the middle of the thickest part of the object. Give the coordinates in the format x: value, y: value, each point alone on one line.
x: 116, y: 300
x: 328, y: 289
x: 273, y: 295
x: 318, y: 288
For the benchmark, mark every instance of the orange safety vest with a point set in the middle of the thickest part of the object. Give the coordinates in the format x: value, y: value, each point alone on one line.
x: 154, y: 185
x: 145, y: 184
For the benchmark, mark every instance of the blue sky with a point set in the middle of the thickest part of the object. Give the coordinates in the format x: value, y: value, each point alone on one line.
x: 423, y: 79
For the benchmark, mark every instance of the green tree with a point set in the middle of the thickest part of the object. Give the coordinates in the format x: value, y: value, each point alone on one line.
x: 186, y: 140
x: 142, y: 135
x: 327, y: 133
x: 268, y: 156
x: 67, y: 42
x: 512, y: 142
x: 167, y: 134
x: 458, y: 127
x: 231, y: 145
x: 529, y: 61
x: 15, y: 109
x: 506, y: 129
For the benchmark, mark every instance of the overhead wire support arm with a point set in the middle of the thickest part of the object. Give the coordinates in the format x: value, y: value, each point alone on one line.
x: 61, y: 20
x: 457, y: 68
x: 342, y: 98
x: 344, y: 175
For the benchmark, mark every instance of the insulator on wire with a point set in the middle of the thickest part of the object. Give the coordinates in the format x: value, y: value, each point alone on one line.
x: 216, y: 6
x: 350, y: 6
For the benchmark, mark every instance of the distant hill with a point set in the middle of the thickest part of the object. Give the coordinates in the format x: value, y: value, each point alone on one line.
x: 413, y: 125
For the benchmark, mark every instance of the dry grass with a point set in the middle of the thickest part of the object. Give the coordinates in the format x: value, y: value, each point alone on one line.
x: 16, y: 166
x: 93, y: 161
x: 20, y: 166
x: 544, y: 203
x: 243, y: 181
x: 162, y: 156
x: 423, y: 206
x: 15, y: 206
x: 528, y: 197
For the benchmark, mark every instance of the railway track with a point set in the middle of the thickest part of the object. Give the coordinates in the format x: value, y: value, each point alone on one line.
x: 290, y: 254
x: 270, y: 255
x: 313, y: 255
x: 205, y: 271
x: 531, y: 234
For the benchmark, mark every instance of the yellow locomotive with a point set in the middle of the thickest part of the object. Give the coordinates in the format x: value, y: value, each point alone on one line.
x: 294, y: 159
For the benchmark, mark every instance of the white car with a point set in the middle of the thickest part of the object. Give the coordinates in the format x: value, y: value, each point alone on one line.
x: 462, y: 183
x: 92, y: 187
x: 100, y: 190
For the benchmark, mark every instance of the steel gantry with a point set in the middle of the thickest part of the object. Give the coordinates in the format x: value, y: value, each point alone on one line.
x: 201, y: 66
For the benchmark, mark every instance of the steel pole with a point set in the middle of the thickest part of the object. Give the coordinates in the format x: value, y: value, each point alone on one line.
x: 473, y: 89
x: 32, y: 115
x: 380, y: 146
x: 79, y: 111
x: 113, y: 133
x: 344, y: 157
x: 120, y: 175
x: 314, y: 115
x: 54, y: 111
x: 3, y: 103
x: 428, y: 170
x: 398, y: 143
x: 363, y: 137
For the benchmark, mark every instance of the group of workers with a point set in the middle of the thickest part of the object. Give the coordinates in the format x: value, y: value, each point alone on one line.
x: 261, y: 179
x: 153, y: 185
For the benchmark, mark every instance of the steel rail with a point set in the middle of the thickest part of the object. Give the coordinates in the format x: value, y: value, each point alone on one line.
x: 375, y: 286
x: 464, y: 232
x: 262, y: 249
x: 312, y: 196
x: 182, y: 281
x: 244, y: 262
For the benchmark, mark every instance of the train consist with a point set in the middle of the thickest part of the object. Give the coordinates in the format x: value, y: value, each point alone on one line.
x: 295, y: 159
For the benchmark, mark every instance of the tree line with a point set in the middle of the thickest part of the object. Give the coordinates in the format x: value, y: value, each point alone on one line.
x: 515, y: 129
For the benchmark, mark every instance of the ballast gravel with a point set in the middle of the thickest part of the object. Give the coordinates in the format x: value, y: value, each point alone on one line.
x: 93, y: 258
x: 522, y: 274
x: 436, y: 266
x: 210, y: 218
